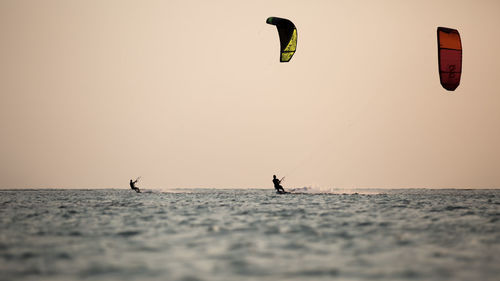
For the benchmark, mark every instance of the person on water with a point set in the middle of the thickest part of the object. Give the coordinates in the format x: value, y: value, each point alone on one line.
x: 277, y: 185
x: 132, y: 186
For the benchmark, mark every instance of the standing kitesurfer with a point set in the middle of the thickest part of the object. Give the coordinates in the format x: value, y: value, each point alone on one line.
x: 277, y: 185
x: 132, y: 186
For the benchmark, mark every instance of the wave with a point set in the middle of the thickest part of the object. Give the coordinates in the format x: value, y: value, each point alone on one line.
x: 332, y: 190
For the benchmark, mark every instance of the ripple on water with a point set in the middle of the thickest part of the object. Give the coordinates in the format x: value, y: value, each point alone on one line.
x: 249, y: 235
x: 128, y: 233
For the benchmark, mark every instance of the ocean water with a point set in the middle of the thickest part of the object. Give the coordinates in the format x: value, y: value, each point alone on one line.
x: 250, y: 234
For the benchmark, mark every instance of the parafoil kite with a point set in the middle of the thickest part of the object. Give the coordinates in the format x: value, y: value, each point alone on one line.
x: 450, y: 57
x: 288, y: 37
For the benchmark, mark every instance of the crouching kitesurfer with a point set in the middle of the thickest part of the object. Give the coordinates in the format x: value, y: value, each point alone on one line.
x: 277, y: 185
x: 132, y: 185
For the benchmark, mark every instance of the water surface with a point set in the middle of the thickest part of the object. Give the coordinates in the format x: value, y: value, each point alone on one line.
x: 249, y: 235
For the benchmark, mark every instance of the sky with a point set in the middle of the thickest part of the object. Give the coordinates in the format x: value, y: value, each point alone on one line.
x: 191, y: 93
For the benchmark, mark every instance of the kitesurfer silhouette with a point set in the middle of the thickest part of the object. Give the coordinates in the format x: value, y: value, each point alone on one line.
x: 132, y: 185
x: 277, y: 185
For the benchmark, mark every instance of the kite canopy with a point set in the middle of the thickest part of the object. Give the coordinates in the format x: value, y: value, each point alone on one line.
x: 288, y: 37
x: 450, y: 57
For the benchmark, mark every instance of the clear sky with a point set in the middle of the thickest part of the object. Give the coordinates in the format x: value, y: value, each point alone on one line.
x: 191, y: 94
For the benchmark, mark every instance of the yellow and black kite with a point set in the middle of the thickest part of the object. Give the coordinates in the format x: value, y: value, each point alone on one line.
x: 288, y: 37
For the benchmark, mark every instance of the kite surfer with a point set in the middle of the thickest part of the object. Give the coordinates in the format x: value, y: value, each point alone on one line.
x: 277, y: 185
x: 132, y: 185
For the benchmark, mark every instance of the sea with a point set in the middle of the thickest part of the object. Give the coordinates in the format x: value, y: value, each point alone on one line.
x: 250, y: 234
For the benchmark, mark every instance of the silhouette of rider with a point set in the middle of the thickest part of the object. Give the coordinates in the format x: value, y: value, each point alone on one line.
x: 277, y: 185
x: 132, y: 186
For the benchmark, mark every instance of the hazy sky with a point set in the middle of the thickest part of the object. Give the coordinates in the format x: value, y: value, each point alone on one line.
x: 192, y: 94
